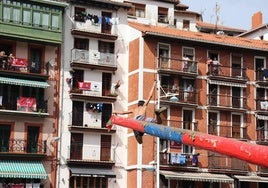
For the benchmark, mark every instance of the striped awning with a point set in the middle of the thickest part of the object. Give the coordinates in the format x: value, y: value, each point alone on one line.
x: 231, y: 84
x: 92, y: 172
x: 252, y: 178
x: 22, y: 169
x: 23, y: 82
x: 262, y: 117
x: 198, y: 176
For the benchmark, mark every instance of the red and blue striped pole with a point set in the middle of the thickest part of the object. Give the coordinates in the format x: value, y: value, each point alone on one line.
x: 252, y: 153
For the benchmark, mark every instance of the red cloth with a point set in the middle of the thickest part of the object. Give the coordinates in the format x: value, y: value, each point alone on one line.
x: 84, y: 85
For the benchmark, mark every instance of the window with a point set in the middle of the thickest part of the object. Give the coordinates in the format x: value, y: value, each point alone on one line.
x: 32, y: 139
x: 188, y: 52
x: 162, y: 15
x: 137, y: 10
x: 237, y: 63
x: 236, y: 97
x: 212, y: 123
x: 79, y: 14
x: 81, y: 43
x: 5, y: 131
x: 26, y: 17
x: 186, y: 24
x: 106, y: 114
x: 187, y: 124
x: 106, y: 47
x: 17, y: 12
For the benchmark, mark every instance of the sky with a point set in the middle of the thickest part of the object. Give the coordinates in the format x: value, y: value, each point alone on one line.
x: 232, y: 13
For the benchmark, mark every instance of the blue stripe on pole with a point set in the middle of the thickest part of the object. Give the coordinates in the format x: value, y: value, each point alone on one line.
x: 164, y: 132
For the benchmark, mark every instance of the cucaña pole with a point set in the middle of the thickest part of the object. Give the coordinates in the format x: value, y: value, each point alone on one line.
x: 252, y: 153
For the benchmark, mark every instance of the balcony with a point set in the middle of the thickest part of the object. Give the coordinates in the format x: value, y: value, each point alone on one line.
x: 93, y: 59
x: 226, y: 102
x: 228, y: 131
x: 21, y: 67
x: 221, y: 163
x: 96, y: 30
x: 179, y: 160
x: 178, y: 66
x: 233, y: 74
x: 22, y: 146
x: 178, y: 97
x: 262, y: 136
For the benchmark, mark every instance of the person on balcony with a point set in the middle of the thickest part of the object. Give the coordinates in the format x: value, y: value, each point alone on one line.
x: 215, y: 66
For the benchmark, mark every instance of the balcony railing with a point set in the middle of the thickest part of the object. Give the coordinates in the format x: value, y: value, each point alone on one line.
x: 262, y: 134
x: 180, y: 65
x: 90, y: 26
x: 228, y: 131
x: 222, y: 162
x: 179, y: 159
x: 227, y: 71
x: 21, y: 65
x: 93, y: 57
x: 23, y: 146
x: 40, y: 107
x: 80, y: 151
x: 262, y: 105
x: 178, y: 95
x: 225, y: 100
x: 261, y: 75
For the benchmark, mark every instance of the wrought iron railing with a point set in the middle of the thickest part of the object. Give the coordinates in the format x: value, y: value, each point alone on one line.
x: 23, y: 146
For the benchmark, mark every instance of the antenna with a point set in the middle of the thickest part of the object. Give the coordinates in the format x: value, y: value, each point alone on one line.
x: 217, y: 10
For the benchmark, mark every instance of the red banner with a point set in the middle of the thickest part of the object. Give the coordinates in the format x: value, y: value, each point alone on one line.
x: 26, y: 104
x: 84, y: 85
x: 19, y: 62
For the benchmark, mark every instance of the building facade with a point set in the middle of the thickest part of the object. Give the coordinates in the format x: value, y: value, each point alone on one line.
x: 31, y: 36
x: 89, y: 155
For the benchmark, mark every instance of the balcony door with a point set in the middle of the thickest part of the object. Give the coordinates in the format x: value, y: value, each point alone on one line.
x: 5, y: 131
x: 188, y: 124
x: 106, y: 147
x: 236, y: 126
x: 236, y: 97
x: 213, y: 123
x: 32, y: 139
x: 35, y: 61
x: 259, y: 65
x: 164, y: 55
x: 76, y: 146
x: 237, y: 63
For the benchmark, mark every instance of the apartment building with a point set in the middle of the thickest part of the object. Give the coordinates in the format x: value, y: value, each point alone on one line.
x: 30, y: 54
x: 93, y: 58
x: 210, y: 83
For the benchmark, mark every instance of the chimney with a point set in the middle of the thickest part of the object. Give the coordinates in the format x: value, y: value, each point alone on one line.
x: 256, y: 20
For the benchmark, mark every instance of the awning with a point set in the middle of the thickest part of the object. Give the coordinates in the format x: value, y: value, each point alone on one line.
x: 198, y: 176
x: 261, y: 117
x: 22, y: 169
x: 92, y: 172
x: 252, y: 178
x: 231, y: 84
x: 23, y: 82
